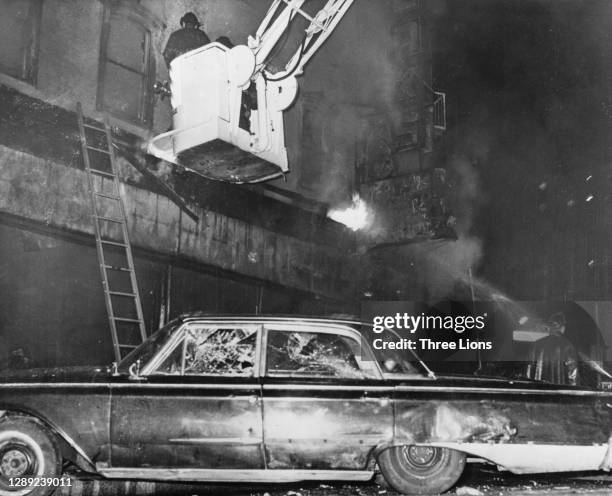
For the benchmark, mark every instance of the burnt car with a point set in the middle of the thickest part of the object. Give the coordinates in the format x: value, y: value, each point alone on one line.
x: 271, y: 399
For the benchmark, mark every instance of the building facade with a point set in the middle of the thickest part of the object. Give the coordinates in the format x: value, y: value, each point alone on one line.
x: 266, y: 248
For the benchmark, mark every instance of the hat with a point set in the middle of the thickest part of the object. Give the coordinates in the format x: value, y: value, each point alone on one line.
x: 190, y: 18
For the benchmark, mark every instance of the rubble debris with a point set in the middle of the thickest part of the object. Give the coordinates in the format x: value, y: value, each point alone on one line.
x: 468, y: 491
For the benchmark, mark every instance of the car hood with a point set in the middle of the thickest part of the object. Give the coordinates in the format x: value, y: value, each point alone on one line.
x: 57, y: 374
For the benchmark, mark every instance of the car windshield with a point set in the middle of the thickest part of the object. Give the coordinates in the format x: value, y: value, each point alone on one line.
x: 147, y: 350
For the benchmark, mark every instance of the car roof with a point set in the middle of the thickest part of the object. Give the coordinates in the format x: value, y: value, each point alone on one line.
x: 348, y: 320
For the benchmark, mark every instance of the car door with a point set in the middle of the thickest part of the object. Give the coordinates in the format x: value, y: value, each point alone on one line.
x: 197, y: 405
x: 325, y: 405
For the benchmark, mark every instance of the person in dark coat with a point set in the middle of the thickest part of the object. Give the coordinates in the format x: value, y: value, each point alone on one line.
x: 188, y: 38
x: 554, y: 358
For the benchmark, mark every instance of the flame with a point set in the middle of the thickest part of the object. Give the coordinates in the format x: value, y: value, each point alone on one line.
x: 355, y: 217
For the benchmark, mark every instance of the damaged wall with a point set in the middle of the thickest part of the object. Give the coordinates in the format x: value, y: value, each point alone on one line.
x: 50, y: 193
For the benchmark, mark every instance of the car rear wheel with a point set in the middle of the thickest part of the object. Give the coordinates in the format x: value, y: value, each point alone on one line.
x: 421, y: 469
x: 27, y: 451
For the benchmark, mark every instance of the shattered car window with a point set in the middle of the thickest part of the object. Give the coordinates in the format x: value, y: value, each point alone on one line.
x: 213, y: 351
x: 315, y: 354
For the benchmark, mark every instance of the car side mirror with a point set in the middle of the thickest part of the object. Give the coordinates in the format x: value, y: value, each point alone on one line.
x: 134, y: 371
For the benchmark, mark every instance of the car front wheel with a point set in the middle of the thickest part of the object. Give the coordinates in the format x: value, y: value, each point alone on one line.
x: 29, y: 458
x: 421, y: 469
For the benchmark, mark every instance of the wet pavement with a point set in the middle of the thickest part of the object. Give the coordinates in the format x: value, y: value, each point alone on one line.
x: 477, y: 480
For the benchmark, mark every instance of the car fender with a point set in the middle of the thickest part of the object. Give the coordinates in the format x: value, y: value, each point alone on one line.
x: 68, y: 446
x: 531, y: 458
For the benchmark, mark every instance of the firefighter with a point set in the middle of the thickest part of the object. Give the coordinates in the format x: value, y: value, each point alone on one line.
x: 188, y: 38
x: 554, y: 358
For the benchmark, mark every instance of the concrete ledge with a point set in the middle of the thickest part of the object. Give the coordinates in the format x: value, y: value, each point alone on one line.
x: 44, y: 191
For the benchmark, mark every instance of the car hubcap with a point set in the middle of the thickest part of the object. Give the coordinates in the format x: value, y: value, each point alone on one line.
x: 16, y: 461
x: 420, y: 456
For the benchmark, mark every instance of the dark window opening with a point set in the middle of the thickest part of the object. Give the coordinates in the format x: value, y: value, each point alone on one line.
x: 127, y: 66
x: 19, y: 30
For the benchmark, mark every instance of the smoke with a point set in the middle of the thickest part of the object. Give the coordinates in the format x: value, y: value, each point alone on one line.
x: 350, y: 78
x: 531, y: 115
x: 446, y: 268
x: 451, y: 265
x: 465, y: 194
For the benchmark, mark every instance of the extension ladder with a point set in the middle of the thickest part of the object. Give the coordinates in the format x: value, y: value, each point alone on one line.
x: 121, y: 295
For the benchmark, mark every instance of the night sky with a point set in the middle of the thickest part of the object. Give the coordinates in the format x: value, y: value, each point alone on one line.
x: 529, y: 86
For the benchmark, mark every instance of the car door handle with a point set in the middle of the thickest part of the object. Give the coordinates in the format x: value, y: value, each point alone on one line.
x: 384, y: 401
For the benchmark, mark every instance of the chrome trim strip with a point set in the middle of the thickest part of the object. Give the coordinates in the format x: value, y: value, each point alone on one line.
x: 55, y: 384
x: 233, y: 475
x: 263, y: 319
x: 312, y: 387
x: 314, y: 327
x: 145, y: 385
x: 487, y: 390
x: 444, y: 389
x: 362, y: 399
x: 263, y: 363
x: 368, y: 439
x: 148, y: 385
x: 324, y: 387
x: 257, y: 370
x: 216, y: 440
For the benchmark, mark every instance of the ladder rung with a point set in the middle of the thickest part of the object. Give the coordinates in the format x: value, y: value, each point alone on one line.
x: 101, y: 172
x: 101, y: 129
x: 89, y: 147
x: 105, y: 195
x: 121, y: 293
x: 125, y: 319
x: 109, y: 219
x: 131, y: 346
x: 114, y: 243
x: 120, y: 269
